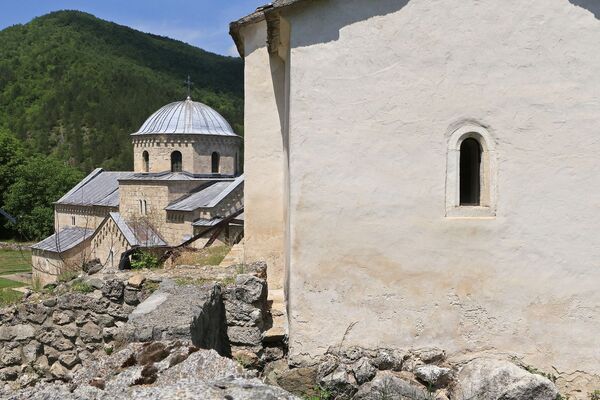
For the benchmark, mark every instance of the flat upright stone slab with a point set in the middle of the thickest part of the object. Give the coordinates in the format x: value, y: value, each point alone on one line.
x: 190, y: 312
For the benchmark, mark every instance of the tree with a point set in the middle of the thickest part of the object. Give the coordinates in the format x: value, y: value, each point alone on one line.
x: 38, y: 183
x: 11, y: 156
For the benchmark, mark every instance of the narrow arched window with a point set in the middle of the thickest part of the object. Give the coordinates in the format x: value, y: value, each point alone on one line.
x: 470, y: 172
x: 176, y: 164
x: 146, y: 161
x: 215, y: 160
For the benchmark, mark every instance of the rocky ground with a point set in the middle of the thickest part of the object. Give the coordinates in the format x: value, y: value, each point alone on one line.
x: 158, y: 370
x: 201, y: 333
x: 423, y: 374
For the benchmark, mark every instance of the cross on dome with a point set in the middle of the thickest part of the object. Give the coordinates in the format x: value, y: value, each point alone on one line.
x: 189, y: 84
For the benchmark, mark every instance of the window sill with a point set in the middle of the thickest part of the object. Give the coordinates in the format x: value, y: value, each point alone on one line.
x: 466, y: 212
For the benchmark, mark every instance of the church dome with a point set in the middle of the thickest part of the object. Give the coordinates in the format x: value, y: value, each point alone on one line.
x: 186, y: 117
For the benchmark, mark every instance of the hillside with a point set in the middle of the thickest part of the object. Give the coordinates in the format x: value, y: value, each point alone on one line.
x: 75, y: 86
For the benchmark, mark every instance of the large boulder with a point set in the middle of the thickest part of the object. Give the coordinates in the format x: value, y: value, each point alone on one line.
x: 501, y: 380
x: 434, y: 376
x: 388, y: 385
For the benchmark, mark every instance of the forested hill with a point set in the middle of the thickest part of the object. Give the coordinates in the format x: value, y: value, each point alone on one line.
x: 76, y: 86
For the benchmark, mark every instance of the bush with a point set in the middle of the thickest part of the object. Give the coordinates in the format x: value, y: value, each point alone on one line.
x: 144, y: 259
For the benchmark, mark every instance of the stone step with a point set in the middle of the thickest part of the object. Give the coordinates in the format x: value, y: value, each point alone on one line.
x: 278, y: 331
x: 274, y: 335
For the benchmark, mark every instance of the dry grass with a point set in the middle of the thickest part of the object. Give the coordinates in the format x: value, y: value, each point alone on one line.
x: 208, y: 256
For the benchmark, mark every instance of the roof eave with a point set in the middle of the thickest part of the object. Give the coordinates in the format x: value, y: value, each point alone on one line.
x: 260, y: 14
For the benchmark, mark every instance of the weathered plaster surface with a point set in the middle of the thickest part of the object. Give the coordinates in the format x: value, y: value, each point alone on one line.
x: 376, y: 88
x: 263, y: 159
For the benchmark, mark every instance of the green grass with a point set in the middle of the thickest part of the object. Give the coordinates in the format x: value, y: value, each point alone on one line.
x: 14, y: 261
x: 9, y: 296
x: 81, y: 287
x: 6, y: 283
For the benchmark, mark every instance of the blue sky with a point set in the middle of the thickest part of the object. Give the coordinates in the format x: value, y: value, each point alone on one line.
x: 203, y: 23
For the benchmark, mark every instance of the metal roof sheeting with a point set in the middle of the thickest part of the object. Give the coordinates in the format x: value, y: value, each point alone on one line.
x: 138, y: 233
x: 201, y: 197
x: 65, y: 240
x: 186, y: 117
x: 207, y: 222
x: 99, y: 188
x: 206, y: 196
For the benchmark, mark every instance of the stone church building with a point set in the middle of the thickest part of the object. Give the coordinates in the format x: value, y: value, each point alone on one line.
x: 427, y: 173
x: 186, y: 181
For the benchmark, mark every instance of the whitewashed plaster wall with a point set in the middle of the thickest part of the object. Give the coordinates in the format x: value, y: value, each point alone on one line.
x: 263, y: 157
x: 376, y: 90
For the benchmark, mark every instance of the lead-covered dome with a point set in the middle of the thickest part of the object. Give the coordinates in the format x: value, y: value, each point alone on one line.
x: 186, y: 117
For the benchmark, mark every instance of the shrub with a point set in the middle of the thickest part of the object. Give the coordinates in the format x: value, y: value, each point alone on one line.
x: 144, y: 259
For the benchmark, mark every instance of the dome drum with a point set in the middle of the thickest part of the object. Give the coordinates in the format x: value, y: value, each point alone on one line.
x: 188, y: 136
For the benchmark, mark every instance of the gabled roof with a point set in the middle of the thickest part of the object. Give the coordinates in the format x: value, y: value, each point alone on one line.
x: 206, y: 196
x: 64, y: 240
x: 99, y: 188
x: 137, y: 233
x: 207, y: 222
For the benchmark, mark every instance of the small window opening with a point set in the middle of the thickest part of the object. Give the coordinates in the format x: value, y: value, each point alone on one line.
x: 176, y: 163
x: 145, y: 208
x: 73, y: 220
x: 146, y: 160
x: 470, y: 173
x: 141, y: 208
x: 215, y: 160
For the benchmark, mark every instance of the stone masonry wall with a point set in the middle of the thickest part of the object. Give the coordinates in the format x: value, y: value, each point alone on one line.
x: 49, y: 338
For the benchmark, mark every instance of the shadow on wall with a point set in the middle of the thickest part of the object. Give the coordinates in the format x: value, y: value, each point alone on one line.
x: 347, y: 12
x: 592, y: 6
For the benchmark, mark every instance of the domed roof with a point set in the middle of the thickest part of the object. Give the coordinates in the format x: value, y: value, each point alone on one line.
x: 186, y: 117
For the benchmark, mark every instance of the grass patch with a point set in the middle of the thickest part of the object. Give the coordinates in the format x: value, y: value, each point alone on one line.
x: 81, y: 287
x: 185, y: 281
x: 14, y: 261
x: 67, y: 276
x: 209, y: 256
x: 150, y: 286
x: 7, y: 283
x: 9, y: 296
x: 320, y: 394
